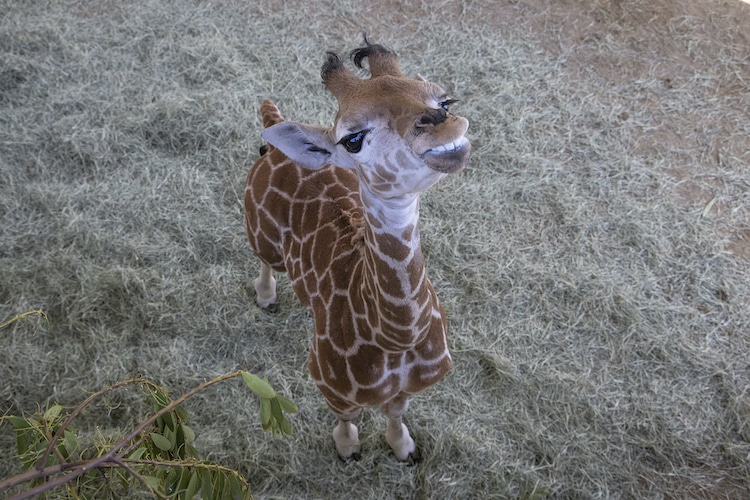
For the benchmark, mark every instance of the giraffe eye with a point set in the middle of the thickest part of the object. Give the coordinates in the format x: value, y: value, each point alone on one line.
x: 353, y: 142
x: 446, y: 104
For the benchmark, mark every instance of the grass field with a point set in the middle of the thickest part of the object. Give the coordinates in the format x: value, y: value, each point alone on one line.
x: 593, y: 259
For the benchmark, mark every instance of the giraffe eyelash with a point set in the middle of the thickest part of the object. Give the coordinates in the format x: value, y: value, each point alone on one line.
x: 447, y: 103
x: 353, y: 142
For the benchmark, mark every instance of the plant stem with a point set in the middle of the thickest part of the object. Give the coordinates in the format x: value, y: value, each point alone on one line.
x: 23, y: 315
x: 123, y: 463
x: 112, y: 456
x: 76, y: 411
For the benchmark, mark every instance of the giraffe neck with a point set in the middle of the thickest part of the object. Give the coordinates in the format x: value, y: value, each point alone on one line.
x: 399, y: 298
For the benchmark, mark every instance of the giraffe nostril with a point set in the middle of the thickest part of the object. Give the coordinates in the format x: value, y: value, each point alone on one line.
x: 424, y: 121
x: 432, y: 117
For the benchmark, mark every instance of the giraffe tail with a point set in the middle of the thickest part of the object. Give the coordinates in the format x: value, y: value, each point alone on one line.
x: 270, y: 114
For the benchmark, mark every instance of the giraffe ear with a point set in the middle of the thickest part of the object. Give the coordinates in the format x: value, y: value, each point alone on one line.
x: 309, y: 146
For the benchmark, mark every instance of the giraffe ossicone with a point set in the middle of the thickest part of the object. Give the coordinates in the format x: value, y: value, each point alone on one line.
x: 337, y: 209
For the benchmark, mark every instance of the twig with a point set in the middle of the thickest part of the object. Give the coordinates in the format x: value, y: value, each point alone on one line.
x: 23, y: 315
x: 77, y: 410
x: 187, y: 465
x: 112, y: 455
x: 123, y: 463
x: 32, y: 474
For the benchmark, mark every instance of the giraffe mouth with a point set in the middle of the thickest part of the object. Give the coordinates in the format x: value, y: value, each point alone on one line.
x: 450, y: 157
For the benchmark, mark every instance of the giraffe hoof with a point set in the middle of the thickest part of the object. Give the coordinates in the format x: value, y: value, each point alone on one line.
x: 272, y: 308
x: 413, y: 458
x: 354, y: 457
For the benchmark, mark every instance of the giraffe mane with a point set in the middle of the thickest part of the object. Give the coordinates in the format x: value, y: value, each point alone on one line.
x: 381, y: 61
x: 370, y: 49
x: 356, y: 222
x: 332, y: 64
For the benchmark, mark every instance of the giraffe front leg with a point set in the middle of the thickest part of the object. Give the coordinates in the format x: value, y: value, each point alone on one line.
x: 396, y: 434
x: 265, y: 288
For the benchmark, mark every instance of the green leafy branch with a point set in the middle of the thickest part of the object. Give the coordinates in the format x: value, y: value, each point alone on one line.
x: 158, y: 453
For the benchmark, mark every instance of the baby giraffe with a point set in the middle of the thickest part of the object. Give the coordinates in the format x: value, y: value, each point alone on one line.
x: 337, y: 209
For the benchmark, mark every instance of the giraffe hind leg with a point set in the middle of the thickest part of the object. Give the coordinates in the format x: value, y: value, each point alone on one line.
x: 396, y: 434
x: 265, y: 289
x: 346, y: 439
x: 345, y: 434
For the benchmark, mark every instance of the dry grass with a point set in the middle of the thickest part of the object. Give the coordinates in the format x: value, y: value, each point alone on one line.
x: 598, y: 306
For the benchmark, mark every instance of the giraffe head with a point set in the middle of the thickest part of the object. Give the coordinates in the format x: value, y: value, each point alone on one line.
x: 396, y: 132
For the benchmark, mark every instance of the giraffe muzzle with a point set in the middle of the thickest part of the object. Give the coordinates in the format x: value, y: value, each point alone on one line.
x: 448, y: 158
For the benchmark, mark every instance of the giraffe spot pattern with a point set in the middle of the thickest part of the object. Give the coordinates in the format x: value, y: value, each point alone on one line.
x: 379, y: 329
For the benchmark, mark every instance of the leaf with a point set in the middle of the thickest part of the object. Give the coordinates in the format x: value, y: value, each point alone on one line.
x: 184, y: 482
x: 171, y: 420
x: 193, y: 485
x: 258, y: 385
x: 151, y: 481
x: 19, y: 423
x: 70, y: 443
x: 160, y: 399
x: 172, y: 481
x: 179, y: 443
x: 122, y: 477
x: 172, y: 437
x: 27, y: 439
x: 207, y: 487
x: 287, y: 404
x: 166, y: 421
x: 276, y: 411
x: 286, y: 427
x: 182, y: 414
x: 52, y: 413
x: 137, y: 453
x: 265, y: 413
x: 218, y: 486
x: 191, y: 451
x: 188, y: 432
x: 234, y: 486
x: 22, y: 443
x: 161, y: 442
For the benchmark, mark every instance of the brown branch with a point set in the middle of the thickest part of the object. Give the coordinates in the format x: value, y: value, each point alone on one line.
x: 76, y: 411
x: 112, y: 455
x: 187, y: 465
x: 123, y: 463
x: 32, y: 474
x: 46, y: 429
